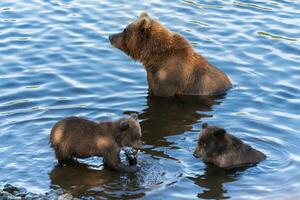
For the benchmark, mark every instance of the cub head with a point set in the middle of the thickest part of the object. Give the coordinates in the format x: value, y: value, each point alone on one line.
x: 212, y: 142
x: 128, y: 132
x: 141, y: 38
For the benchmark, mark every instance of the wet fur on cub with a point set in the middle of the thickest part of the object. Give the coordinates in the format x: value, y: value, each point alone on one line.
x: 75, y: 137
x: 172, y: 65
x: 224, y: 150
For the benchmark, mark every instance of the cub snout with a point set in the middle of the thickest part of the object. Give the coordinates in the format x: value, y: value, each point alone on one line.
x: 197, y: 153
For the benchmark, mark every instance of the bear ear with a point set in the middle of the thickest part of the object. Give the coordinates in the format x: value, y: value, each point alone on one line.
x: 143, y: 14
x: 134, y: 116
x: 124, y: 126
x: 145, y: 23
x: 220, y: 133
x: 204, y: 125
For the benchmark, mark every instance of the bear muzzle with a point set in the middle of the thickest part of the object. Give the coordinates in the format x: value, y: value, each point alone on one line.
x: 115, y: 39
x: 138, y: 145
x: 198, y: 153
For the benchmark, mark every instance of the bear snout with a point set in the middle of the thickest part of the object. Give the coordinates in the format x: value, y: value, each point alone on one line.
x: 117, y: 41
x: 195, y: 155
x: 198, y: 152
x: 114, y: 38
x: 138, y: 146
x: 110, y: 38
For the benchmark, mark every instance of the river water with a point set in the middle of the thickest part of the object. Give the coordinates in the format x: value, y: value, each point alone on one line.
x: 56, y: 61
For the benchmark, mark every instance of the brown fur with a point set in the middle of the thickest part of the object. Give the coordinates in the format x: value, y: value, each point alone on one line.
x: 225, y: 150
x: 75, y: 137
x: 172, y: 65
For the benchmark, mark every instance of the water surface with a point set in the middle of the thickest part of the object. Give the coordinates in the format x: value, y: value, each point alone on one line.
x: 56, y: 61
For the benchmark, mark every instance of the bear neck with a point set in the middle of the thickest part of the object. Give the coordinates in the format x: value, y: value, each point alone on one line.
x: 110, y: 129
x: 117, y: 134
x: 162, y: 46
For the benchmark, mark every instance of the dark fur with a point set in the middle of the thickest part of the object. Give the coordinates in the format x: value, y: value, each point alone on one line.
x: 172, y: 65
x: 217, y: 146
x: 75, y: 137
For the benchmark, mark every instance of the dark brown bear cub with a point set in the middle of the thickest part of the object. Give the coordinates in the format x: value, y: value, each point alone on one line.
x: 172, y: 65
x: 75, y: 137
x: 224, y: 150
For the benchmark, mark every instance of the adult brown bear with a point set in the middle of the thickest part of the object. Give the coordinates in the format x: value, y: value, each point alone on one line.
x: 172, y: 65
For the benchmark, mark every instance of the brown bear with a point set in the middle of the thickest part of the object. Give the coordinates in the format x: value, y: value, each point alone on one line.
x: 224, y: 150
x: 75, y: 137
x: 172, y: 65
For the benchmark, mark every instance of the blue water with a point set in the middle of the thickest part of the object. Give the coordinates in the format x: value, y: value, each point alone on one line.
x: 56, y: 61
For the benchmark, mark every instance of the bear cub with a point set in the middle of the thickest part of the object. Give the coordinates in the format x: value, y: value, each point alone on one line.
x: 75, y: 137
x: 172, y: 66
x: 224, y: 150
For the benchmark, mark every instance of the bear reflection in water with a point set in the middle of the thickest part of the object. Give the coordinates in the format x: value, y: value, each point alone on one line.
x: 213, y: 179
x: 80, y: 179
x: 165, y: 117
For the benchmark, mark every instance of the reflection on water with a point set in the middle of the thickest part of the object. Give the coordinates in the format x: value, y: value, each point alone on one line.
x: 213, y: 179
x: 275, y: 36
x: 166, y: 116
x: 81, y: 179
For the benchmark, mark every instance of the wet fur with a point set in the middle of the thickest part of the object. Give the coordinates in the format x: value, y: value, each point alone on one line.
x: 225, y: 150
x: 172, y: 65
x: 75, y: 137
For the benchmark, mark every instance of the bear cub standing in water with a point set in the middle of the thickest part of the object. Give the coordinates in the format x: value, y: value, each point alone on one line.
x: 172, y: 65
x: 75, y: 137
x: 224, y: 150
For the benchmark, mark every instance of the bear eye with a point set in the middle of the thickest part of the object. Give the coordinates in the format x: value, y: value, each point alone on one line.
x: 125, y: 30
x: 205, y: 145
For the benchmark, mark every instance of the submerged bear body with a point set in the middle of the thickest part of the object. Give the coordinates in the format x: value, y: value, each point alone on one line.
x: 75, y: 137
x: 172, y: 65
x: 224, y: 150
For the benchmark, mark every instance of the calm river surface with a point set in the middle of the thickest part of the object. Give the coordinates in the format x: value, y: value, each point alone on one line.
x: 56, y: 61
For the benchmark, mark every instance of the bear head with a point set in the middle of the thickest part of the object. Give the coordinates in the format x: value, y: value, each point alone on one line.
x: 211, y: 143
x: 144, y: 38
x: 128, y: 132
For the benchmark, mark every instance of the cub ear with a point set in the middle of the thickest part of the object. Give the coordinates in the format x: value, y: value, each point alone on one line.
x: 123, y: 126
x: 134, y: 116
x: 220, y: 133
x: 145, y: 24
x: 204, y: 125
